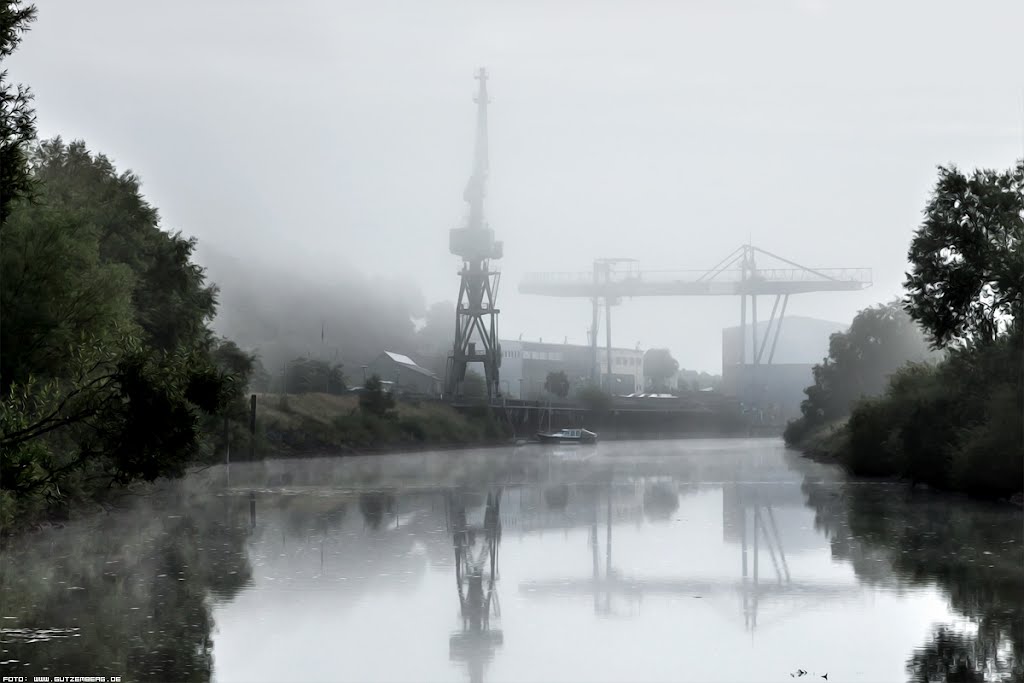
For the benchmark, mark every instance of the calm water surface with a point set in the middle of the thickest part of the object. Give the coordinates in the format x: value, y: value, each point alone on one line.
x: 718, y: 560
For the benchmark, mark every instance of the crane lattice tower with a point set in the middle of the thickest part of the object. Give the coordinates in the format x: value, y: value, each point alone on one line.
x: 476, y: 315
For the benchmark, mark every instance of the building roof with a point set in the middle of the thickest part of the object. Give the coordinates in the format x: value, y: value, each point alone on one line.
x: 409, y: 364
x: 399, y: 358
x: 528, y: 345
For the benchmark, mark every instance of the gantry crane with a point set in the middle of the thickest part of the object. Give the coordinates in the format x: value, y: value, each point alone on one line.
x: 476, y: 316
x: 736, y: 274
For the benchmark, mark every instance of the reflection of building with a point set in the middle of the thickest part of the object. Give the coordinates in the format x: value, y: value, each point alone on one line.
x: 532, y: 361
x: 405, y: 375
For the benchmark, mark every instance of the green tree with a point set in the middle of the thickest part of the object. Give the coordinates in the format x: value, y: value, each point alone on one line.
x: 374, y: 400
x: 109, y: 370
x: 594, y: 398
x: 967, y: 270
x: 307, y: 375
x: 474, y: 386
x: 557, y: 383
x: 17, y: 118
x: 660, y: 367
x: 173, y: 303
x: 880, y: 340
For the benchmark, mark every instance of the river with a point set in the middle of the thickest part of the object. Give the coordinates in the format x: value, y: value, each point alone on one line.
x: 690, y: 560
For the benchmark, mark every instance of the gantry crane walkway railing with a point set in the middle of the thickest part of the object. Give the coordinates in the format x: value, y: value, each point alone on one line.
x: 738, y: 274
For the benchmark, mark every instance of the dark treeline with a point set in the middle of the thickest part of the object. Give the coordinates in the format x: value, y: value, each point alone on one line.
x: 109, y: 371
x: 951, y: 417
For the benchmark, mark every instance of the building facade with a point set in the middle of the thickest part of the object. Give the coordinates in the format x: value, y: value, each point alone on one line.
x: 776, y: 388
x: 404, y: 374
x: 525, y: 366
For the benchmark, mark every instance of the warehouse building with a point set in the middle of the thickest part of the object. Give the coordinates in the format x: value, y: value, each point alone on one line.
x: 404, y: 374
x: 525, y: 366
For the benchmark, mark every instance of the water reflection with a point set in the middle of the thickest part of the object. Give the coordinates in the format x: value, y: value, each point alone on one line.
x: 701, y: 560
x: 127, y: 593
x: 476, y: 563
x: 973, y: 552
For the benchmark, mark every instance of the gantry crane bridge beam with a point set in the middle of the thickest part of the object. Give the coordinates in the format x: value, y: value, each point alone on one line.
x: 738, y: 274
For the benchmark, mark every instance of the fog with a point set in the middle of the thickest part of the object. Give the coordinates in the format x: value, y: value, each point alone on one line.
x: 331, y: 141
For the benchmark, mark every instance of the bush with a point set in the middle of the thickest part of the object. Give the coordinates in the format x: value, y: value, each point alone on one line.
x: 957, y: 425
x: 374, y: 401
x: 594, y: 398
x: 990, y: 459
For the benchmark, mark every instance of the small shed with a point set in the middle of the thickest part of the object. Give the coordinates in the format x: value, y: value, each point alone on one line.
x: 405, y: 373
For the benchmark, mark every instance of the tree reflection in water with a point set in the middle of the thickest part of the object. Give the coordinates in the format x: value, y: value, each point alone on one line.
x: 126, y: 594
x: 476, y: 570
x: 974, y: 552
x: 374, y: 505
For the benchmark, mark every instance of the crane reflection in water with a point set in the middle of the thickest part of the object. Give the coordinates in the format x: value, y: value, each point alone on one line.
x: 476, y: 573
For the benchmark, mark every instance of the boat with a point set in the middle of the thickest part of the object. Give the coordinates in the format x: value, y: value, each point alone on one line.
x: 568, y: 436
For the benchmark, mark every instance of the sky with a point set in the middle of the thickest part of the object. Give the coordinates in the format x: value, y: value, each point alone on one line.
x: 331, y: 136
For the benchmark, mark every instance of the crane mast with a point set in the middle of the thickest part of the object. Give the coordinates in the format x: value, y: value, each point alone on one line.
x: 476, y: 315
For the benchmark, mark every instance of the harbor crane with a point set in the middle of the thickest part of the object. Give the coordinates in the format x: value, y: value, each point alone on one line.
x: 476, y: 315
x: 738, y: 274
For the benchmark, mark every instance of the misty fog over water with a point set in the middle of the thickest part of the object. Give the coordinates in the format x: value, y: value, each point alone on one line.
x: 724, y: 560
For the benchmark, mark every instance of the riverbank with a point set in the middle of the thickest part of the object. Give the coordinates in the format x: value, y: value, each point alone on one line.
x: 304, y: 424
x: 830, y: 444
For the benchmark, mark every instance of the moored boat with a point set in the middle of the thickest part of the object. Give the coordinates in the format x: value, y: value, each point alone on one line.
x: 568, y: 436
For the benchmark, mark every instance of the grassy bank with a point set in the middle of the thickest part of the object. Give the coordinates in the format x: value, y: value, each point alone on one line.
x: 306, y: 423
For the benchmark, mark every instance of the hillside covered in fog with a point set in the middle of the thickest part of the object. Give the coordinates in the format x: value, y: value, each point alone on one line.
x: 281, y: 314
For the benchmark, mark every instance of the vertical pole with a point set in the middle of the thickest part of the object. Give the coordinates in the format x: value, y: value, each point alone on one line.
x: 608, y: 338
x: 252, y: 427
x: 595, y: 372
x: 743, y: 325
x: 743, y: 545
x: 753, y: 329
x: 227, y: 452
x: 252, y: 509
x: 753, y: 616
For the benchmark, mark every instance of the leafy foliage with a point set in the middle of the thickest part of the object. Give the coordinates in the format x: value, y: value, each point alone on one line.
x: 958, y: 424
x: 17, y: 118
x: 860, y: 362
x: 594, y: 398
x: 109, y: 371
x: 306, y: 375
x: 173, y: 304
x: 474, y: 385
x: 374, y: 400
x: 967, y: 270
x: 557, y: 383
x: 660, y: 367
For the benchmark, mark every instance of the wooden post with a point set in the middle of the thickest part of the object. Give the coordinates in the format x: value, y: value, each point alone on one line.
x: 252, y: 509
x: 227, y: 451
x: 252, y: 427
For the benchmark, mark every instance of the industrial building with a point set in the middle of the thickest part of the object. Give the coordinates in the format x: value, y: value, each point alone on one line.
x: 777, y: 388
x: 404, y: 374
x: 525, y: 366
